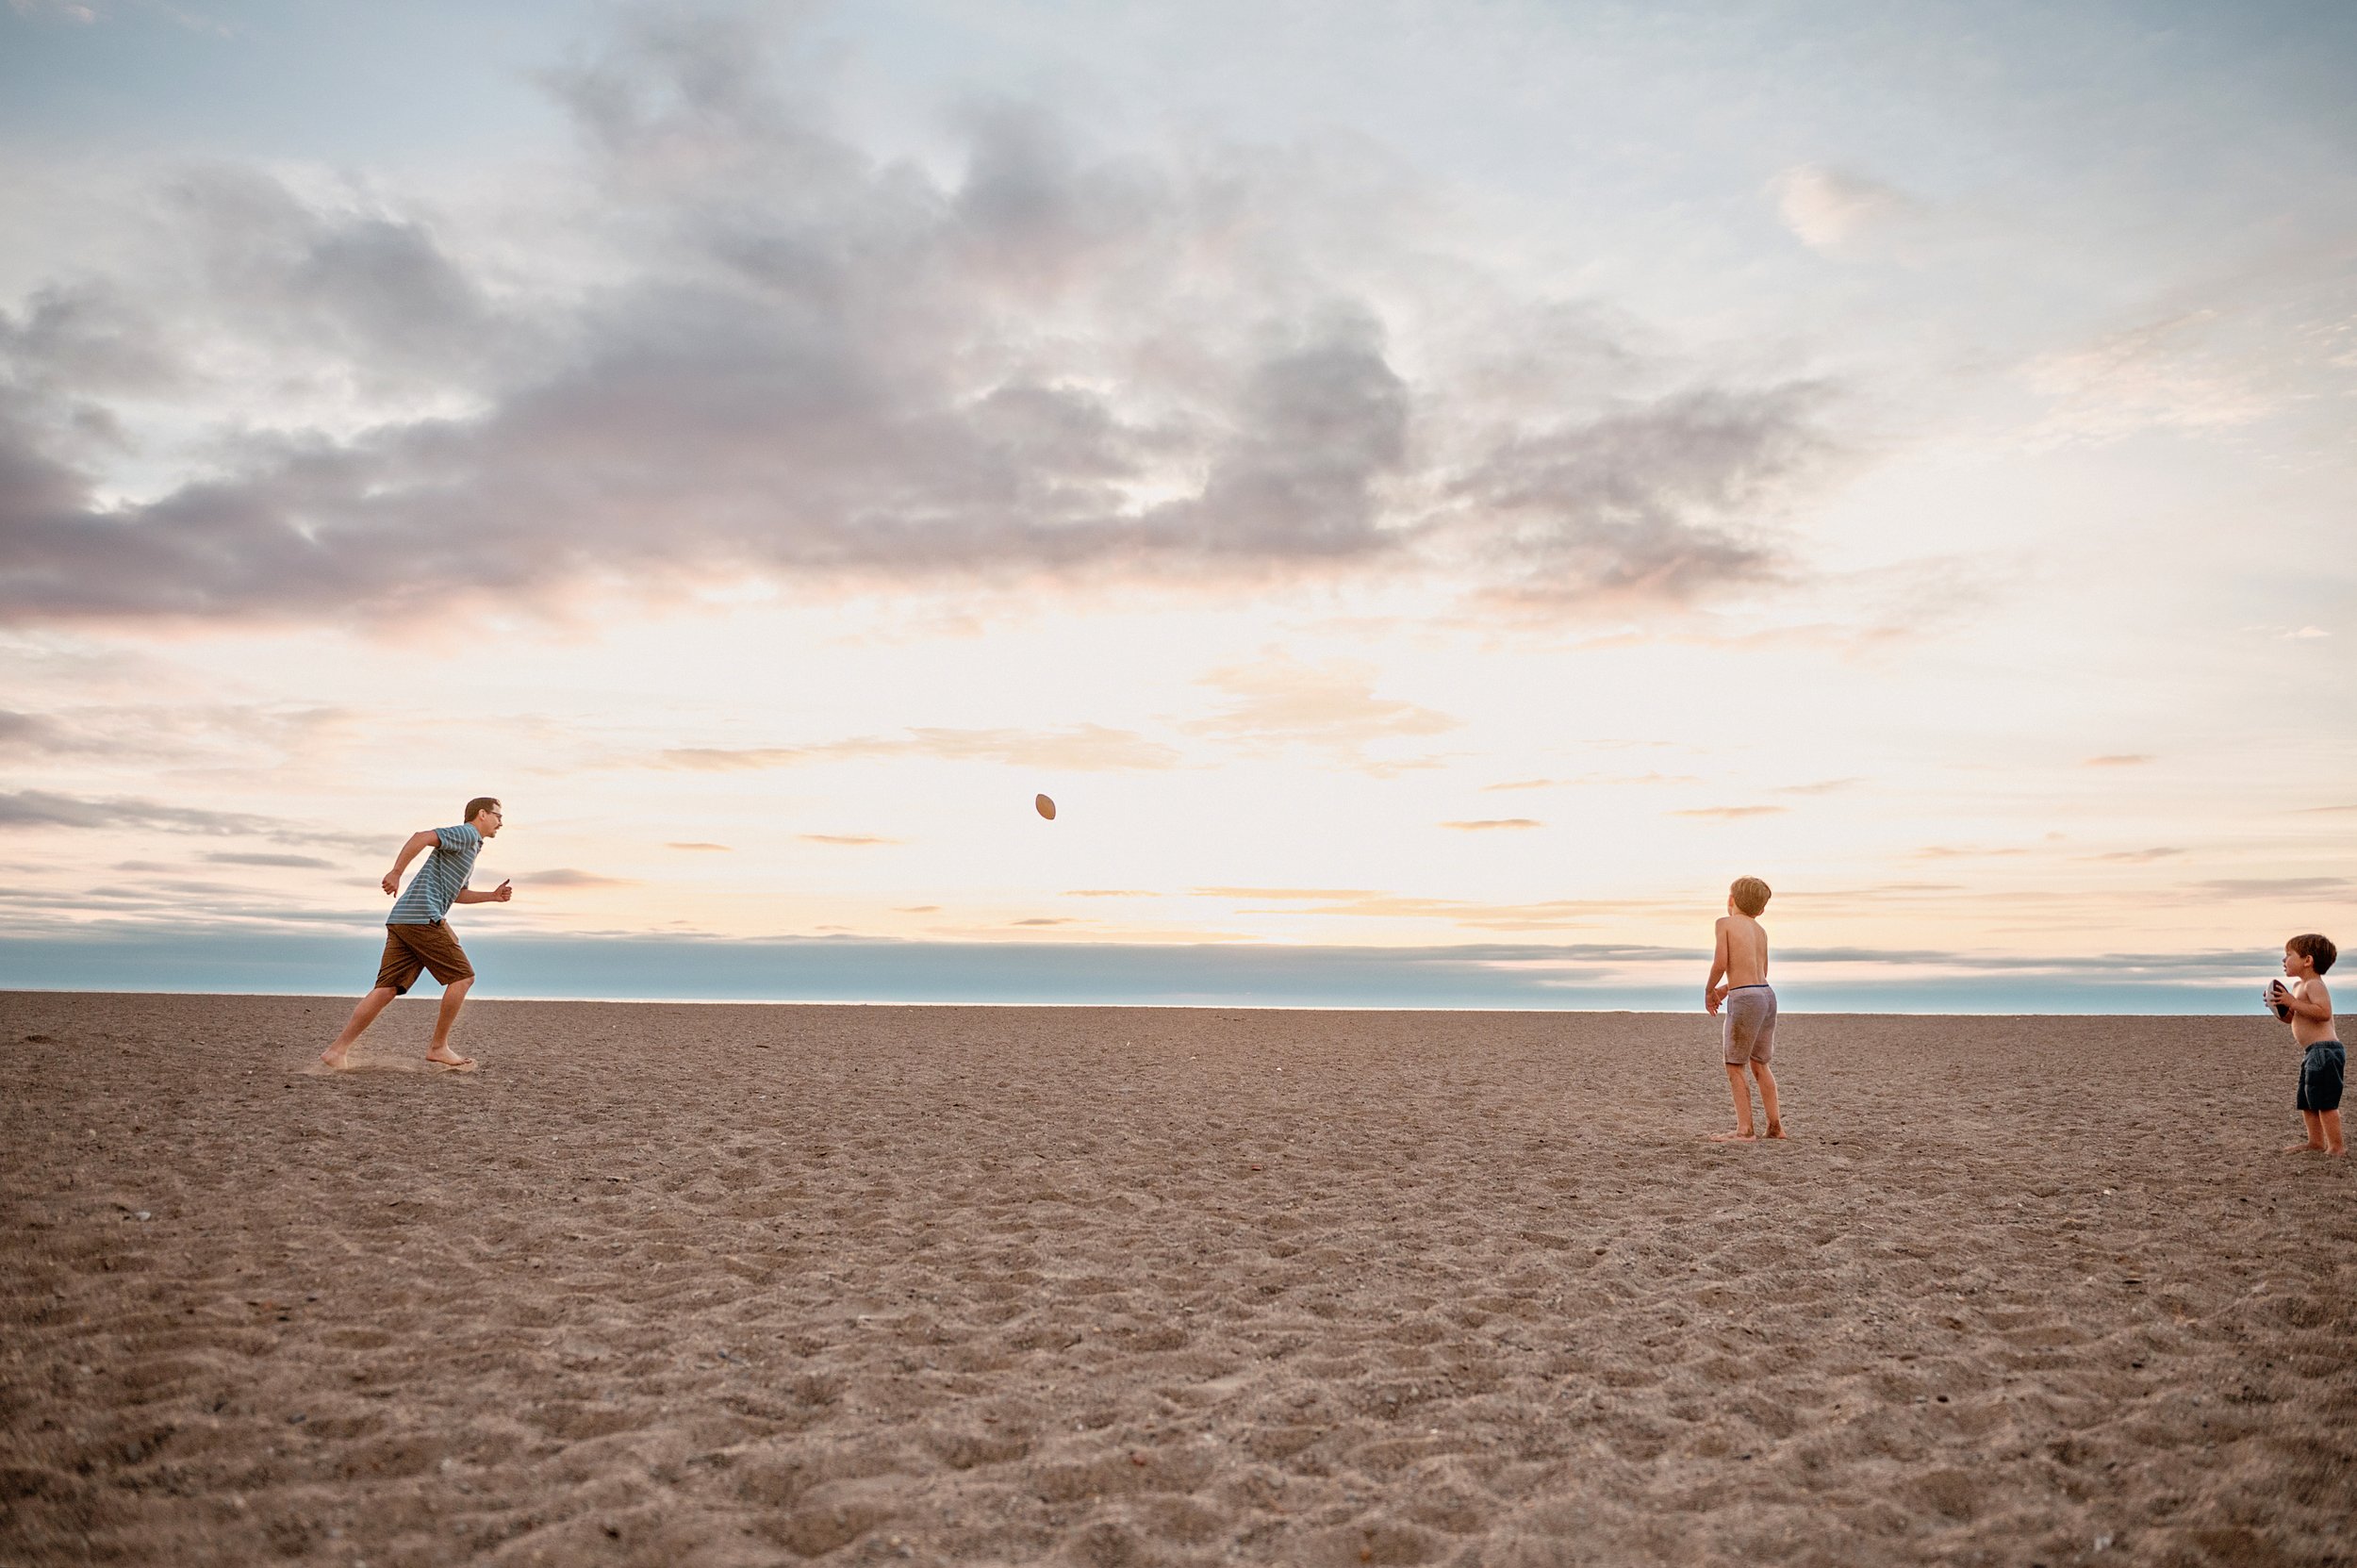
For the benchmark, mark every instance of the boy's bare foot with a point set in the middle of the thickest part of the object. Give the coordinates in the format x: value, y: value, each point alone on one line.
x: 449, y: 1063
x: 2303, y: 1149
x: 1734, y: 1137
x: 1775, y: 1129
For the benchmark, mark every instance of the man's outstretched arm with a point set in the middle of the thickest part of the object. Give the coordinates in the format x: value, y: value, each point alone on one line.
x: 424, y: 838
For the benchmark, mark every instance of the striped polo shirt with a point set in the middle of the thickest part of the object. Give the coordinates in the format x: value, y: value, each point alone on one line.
x: 439, y: 881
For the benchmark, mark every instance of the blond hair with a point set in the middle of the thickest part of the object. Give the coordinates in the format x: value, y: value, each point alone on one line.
x: 1749, y: 894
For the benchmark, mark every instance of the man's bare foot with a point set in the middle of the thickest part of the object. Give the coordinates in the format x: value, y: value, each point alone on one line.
x: 450, y: 1063
x: 336, y: 1059
x: 2303, y: 1149
x: 1775, y: 1129
x: 1746, y: 1136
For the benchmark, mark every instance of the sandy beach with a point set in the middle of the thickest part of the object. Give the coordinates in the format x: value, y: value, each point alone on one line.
x: 722, y: 1284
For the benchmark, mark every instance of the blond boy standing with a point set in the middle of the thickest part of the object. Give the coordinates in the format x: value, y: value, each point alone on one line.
x: 2307, y: 1006
x: 1739, y: 980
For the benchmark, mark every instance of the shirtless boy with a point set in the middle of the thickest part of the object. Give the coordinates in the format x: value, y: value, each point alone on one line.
x: 1739, y: 979
x: 2307, y: 1006
x: 418, y: 938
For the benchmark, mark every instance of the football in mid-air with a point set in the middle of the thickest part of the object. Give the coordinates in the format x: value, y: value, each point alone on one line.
x: 1046, y: 807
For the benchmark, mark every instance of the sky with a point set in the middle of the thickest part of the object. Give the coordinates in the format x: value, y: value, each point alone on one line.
x: 1433, y: 491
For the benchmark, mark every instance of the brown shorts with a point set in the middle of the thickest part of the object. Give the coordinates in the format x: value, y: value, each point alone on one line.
x: 410, y: 949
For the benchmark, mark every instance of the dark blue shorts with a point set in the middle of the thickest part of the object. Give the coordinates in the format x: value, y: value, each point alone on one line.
x: 2320, y: 1076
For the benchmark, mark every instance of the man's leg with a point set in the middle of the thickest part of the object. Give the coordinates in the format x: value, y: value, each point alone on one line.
x: 1768, y: 1098
x: 340, y: 1053
x: 453, y: 998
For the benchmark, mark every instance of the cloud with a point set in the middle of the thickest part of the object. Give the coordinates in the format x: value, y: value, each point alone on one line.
x: 76, y: 14
x: 758, y: 351
x: 1837, y: 213
x: 847, y: 840
x: 2160, y: 374
x: 154, y: 730
x: 1487, y: 823
x: 22, y: 733
x: 718, y: 848
x: 1640, y: 504
x: 1367, y: 903
x: 565, y: 876
x: 37, y: 808
x: 2137, y: 857
x: 1277, y: 702
x: 2118, y: 759
x: 1320, y: 893
x: 1601, y: 779
x: 57, y: 10
x: 2279, y: 887
x: 1110, y: 893
x: 41, y: 808
x: 310, y: 862
x: 87, y: 338
x: 1731, y: 814
x: 1822, y: 786
x: 1080, y: 747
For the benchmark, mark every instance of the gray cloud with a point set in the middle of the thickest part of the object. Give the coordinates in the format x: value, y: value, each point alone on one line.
x: 26, y: 732
x: 41, y: 808
x: 796, y: 362
x: 89, y: 337
x: 1642, y: 503
x: 376, y: 285
x: 308, y: 863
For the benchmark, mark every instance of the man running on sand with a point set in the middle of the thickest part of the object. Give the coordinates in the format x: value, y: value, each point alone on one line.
x: 416, y: 937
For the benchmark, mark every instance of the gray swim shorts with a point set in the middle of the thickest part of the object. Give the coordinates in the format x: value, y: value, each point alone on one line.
x: 1751, y: 1025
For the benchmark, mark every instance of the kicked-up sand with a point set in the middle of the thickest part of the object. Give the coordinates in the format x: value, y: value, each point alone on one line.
x: 706, y: 1285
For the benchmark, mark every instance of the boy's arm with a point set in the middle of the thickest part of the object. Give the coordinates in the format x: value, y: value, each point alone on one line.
x: 423, y: 839
x: 1713, y: 993
x: 2311, y: 1001
x: 499, y: 894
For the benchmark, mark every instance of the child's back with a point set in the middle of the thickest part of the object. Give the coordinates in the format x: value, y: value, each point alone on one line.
x: 1744, y: 943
